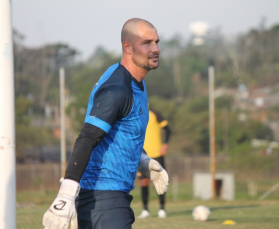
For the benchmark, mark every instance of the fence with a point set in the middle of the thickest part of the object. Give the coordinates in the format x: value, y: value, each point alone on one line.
x: 47, y: 176
x: 37, y: 176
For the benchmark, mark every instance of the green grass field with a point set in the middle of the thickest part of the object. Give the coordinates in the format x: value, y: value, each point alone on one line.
x: 247, y: 212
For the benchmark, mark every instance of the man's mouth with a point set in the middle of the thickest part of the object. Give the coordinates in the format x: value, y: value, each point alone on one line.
x: 154, y: 57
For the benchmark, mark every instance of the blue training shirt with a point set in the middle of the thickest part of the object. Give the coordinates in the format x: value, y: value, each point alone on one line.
x: 118, y: 106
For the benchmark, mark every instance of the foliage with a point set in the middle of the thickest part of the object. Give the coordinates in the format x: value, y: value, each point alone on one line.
x: 178, y: 88
x: 250, y: 162
x: 27, y: 136
x: 36, y: 70
x: 167, y: 106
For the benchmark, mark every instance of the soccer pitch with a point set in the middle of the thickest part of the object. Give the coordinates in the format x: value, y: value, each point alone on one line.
x: 246, y: 214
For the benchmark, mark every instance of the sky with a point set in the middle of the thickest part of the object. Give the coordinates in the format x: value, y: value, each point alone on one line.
x: 87, y: 24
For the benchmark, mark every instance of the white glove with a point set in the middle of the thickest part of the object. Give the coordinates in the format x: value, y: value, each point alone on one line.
x: 62, y: 212
x: 154, y: 171
x: 158, y: 176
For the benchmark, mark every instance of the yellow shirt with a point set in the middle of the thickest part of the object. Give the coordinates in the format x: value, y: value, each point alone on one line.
x: 153, y: 139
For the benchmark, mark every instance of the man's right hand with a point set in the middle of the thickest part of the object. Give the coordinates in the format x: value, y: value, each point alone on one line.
x: 62, y: 212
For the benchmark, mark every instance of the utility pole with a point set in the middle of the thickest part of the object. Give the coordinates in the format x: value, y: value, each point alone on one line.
x: 212, y: 129
x: 62, y: 121
x: 7, y: 120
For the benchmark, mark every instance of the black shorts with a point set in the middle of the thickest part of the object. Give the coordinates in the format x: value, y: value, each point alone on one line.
x: 160, y: 159
x: 104, y: 210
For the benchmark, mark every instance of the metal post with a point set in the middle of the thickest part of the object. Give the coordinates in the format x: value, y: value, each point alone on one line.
x: 62, y: 121
x: 7, y: 120
x: 212, y: 130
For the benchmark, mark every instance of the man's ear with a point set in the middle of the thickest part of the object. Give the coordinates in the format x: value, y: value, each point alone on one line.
x: 127, y: 47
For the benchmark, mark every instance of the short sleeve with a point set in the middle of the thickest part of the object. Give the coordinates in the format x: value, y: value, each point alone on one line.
x: 110, y: 103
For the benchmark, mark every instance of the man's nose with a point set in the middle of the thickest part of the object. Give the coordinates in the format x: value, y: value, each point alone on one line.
x: 155, y: 48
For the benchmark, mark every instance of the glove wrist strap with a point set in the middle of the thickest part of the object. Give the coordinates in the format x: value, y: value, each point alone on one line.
x: 144, y: 168
x: 69, y: 188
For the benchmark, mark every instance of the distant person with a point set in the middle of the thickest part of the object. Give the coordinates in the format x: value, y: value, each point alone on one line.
x: 157, y: 150
x: 109, y: 149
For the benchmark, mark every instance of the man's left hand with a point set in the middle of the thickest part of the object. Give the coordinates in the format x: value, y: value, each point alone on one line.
x: 158, y: 176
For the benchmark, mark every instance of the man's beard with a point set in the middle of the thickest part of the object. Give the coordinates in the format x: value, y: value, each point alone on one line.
x: 146, y: 66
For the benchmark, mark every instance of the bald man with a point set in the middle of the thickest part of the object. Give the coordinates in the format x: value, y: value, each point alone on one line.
x: 94, y: 193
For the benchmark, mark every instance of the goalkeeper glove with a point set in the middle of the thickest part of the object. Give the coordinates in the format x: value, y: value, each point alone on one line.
x: 62, y: 212
x: 152, y: 169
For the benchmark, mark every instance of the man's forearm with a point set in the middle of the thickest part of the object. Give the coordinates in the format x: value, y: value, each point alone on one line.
x: 144, y: 164
x: 88, y: 139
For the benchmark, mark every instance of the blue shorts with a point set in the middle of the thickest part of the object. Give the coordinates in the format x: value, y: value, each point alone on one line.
x: 104, y: 210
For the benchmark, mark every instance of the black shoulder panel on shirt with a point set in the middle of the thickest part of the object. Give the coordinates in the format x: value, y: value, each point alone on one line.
x: 114, y: 99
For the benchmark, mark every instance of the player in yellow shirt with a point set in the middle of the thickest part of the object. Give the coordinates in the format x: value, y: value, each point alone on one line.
x: 155, y: 149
